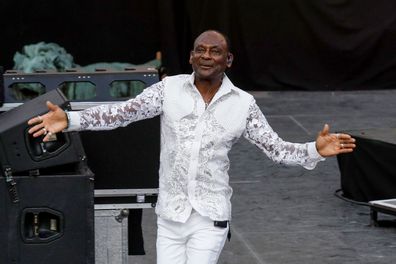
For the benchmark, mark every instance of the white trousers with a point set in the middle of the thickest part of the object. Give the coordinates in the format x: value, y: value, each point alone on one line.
x: 197, y: 241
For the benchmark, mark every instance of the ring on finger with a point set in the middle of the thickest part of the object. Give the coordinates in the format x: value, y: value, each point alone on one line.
x: 40, y: 119
x: 342, y: 145
x: 45, y: 131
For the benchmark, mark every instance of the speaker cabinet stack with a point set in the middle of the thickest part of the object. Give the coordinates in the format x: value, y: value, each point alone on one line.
x: 46, y: 192
x: 47, y: 189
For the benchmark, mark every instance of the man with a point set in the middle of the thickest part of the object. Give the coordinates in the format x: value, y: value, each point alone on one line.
x: 202, y: 116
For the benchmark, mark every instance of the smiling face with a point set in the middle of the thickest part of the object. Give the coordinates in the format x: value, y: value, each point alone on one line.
x: 210, y: 56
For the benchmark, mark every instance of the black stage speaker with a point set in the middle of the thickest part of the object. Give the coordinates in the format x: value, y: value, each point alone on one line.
x: 53, y: 221
x: 369, y: 172
x: 125, y: 158
x: 46, y: 192
x: 20, y: 152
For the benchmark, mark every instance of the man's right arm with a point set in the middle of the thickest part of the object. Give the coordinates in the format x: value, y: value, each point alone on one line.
x: 110, y: 116
x: 103, y: 117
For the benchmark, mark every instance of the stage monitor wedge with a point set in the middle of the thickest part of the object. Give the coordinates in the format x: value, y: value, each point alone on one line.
x: 20, y: 152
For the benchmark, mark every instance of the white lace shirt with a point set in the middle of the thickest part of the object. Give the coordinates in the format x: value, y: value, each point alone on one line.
x: 195, y: 141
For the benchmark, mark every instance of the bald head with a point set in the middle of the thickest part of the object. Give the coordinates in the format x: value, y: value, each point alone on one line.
x: 214, y: 33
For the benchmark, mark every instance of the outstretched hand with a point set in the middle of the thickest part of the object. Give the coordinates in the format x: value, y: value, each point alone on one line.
x: 330, y: 144
x: 54, y: 121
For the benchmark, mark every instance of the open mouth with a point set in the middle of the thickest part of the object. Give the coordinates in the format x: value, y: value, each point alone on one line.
x: 205, y: 66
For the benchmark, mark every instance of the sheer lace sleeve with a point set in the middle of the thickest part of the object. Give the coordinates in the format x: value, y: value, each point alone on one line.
x: 260, y: 133
x: 109, y: 116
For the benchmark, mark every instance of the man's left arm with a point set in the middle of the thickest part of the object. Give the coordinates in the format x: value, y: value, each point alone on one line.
x: 260, y: 133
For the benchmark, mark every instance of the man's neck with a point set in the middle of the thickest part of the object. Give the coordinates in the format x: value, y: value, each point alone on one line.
x: 205, y: 85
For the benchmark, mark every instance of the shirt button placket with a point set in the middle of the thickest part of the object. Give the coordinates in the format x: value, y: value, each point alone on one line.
x: 193, y: 166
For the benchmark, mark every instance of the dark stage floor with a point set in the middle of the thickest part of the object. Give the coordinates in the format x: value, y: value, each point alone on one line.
x: 289, y: 214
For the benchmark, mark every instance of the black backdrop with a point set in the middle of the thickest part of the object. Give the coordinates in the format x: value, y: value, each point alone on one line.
x: 279, y: 45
